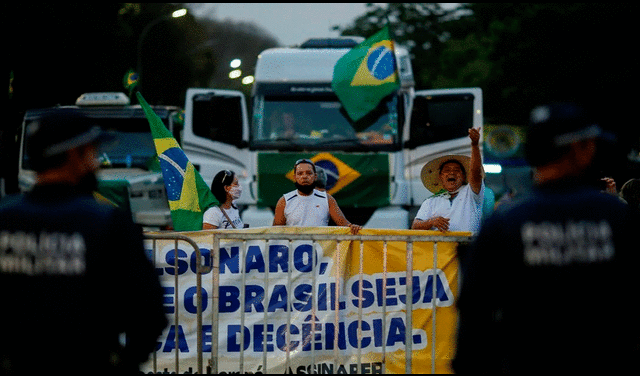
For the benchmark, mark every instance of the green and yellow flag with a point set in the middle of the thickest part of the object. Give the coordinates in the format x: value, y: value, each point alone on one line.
x: 366, y: 74
x: 189, y: 196
x: 130, y: 81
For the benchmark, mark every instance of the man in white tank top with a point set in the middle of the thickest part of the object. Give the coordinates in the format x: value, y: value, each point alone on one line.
x: 307, y: 206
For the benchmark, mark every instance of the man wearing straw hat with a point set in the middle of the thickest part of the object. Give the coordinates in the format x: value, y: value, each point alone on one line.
x: 456, y: 182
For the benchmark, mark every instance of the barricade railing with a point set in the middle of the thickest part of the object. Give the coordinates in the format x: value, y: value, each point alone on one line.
x: 176, y: 237
x: 213, y: 244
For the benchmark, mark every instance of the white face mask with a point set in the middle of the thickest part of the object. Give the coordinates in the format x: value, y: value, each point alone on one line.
x: 235, y: 192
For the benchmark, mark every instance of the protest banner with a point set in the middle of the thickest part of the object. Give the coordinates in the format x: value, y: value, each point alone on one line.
x: 314, y: 289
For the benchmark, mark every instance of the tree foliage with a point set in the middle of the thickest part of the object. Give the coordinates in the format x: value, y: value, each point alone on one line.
x: 520, y: 54
x: 234, y: 40
x: 523, y: 55
x: 58, y: 51
x: 418, y: 26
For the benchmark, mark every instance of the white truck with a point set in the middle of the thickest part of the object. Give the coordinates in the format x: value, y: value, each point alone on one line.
x: 127, y: 176
x: 373, y: 165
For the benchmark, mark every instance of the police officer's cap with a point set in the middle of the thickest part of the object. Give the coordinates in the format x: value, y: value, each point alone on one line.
x: 60, y: 131
x: 554, y: 126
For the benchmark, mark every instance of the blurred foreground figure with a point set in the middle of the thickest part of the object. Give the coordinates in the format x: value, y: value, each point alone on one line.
x: 630, y: 192
x: 550, y: 287
x: 73, y: 272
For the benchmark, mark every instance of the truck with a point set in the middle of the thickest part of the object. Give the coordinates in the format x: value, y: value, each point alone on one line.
x: 128, y: 176
x: 373, y: 165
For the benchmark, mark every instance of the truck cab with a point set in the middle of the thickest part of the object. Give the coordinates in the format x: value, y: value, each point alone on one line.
x: 373, y: 165
x: 128, y: 176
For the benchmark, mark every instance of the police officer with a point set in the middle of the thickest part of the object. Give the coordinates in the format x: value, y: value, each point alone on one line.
x: 549, y: 273
x: 73, y: 272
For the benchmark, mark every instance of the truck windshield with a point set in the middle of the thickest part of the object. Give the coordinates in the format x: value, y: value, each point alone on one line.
x: 133, y: 145
x: 319, y: 122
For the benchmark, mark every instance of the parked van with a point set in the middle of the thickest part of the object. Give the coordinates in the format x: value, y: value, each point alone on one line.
x: 127, y: 177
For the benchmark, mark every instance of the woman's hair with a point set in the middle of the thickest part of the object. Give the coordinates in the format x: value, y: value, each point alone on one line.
x: 221, y: 180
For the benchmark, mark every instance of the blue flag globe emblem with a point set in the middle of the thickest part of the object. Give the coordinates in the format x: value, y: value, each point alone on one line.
x: 133, y: 77
x: 173, y: 163
x: 381, y: 63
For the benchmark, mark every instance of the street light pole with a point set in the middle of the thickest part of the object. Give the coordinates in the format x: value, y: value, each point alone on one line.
x: 178, y: 13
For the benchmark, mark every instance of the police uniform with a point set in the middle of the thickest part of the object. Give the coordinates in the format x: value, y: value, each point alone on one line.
x: 312, y: 210
x: 548, y: 280
x: 74, y: 276
x: 550, y: 286
x: 73, y: 271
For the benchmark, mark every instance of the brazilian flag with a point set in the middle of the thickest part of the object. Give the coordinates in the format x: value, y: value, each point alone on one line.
x: 189, y: 196
x: 366, y: 74
x: 130, y: 80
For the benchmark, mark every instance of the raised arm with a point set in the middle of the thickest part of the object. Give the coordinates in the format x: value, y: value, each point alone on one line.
x: 475, y: 175
x: 279, y: 219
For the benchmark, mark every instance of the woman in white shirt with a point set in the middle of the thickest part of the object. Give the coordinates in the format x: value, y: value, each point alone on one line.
x: 226, y: 189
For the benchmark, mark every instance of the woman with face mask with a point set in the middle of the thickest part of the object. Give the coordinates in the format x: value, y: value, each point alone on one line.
x: 226, y: 189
